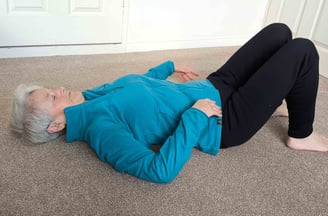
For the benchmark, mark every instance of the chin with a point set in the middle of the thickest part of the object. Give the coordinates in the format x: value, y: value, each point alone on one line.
x: 77, y: 98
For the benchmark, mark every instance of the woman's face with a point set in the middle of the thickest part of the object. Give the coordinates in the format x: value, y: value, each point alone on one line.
x: 54, y: 101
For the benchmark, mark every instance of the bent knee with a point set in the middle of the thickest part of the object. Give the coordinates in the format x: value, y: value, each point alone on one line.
x: 304, y: 46
x: 280, y: 30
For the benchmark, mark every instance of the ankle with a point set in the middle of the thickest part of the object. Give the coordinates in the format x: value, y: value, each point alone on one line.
x: 314, y: 142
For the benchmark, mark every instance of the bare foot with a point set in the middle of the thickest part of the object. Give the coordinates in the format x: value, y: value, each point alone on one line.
x: 281, y: 110
x: 314, y: 142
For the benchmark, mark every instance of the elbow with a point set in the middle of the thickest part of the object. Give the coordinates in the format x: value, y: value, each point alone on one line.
x: 164, y: 173
x: 165, y: 178
x: 159, y: 179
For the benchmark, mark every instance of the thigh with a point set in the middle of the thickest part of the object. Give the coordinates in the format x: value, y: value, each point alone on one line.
x: 249, y: 58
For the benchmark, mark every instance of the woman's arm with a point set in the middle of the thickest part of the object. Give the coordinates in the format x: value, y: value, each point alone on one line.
x: 126, y: 154
x: 161, y: 71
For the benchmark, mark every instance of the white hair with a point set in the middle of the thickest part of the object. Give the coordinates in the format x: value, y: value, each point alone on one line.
x: 29, y: 121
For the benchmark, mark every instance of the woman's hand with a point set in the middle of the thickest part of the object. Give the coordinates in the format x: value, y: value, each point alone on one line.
x: 185, y: 73
x: 209, y: 107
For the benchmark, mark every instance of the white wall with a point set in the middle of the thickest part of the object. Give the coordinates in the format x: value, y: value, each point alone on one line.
x: 171, y: 24
x: 191, y: 23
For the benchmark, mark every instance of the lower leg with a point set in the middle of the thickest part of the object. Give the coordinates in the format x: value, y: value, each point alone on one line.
x: 301, y: 106
x: 314, y: 142
x: 301, y: 98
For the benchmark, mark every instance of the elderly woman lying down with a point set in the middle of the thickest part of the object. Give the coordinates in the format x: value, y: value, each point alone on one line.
x: 122, y: 120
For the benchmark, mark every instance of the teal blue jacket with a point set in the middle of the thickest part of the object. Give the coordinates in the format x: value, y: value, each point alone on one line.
x: 123, y: 119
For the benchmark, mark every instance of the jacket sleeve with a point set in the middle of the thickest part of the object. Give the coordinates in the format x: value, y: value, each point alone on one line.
x: 161, y: 71
x: 126, y: 154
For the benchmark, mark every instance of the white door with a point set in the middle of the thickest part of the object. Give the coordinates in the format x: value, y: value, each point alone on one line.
x: 60, y: 22
x: 306, y: 18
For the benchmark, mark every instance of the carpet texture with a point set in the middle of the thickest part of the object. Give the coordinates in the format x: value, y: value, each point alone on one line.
x: 261, y: 177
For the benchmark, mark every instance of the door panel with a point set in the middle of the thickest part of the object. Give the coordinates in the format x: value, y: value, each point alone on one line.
x: 60, y: 22
x: 291, y: 13
x: 321, y: 34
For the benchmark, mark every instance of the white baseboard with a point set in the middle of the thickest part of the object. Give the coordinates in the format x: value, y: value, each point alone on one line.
x: 15, y: 52
x: 185, y: 44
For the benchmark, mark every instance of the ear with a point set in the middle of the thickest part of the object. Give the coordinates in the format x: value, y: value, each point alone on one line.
x: 55, y: 127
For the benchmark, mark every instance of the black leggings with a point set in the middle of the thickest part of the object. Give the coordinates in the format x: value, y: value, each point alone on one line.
x: 270, y: 67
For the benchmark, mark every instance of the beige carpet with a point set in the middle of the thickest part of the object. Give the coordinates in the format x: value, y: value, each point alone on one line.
x: 261, y: 177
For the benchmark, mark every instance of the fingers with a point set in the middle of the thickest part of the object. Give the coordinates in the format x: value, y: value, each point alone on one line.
x: 190, y: 71
x: 184, y: 77
x: 194, y: 73
x: 215, y: 108
x: 185, y: 73
x: 209, y: 107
